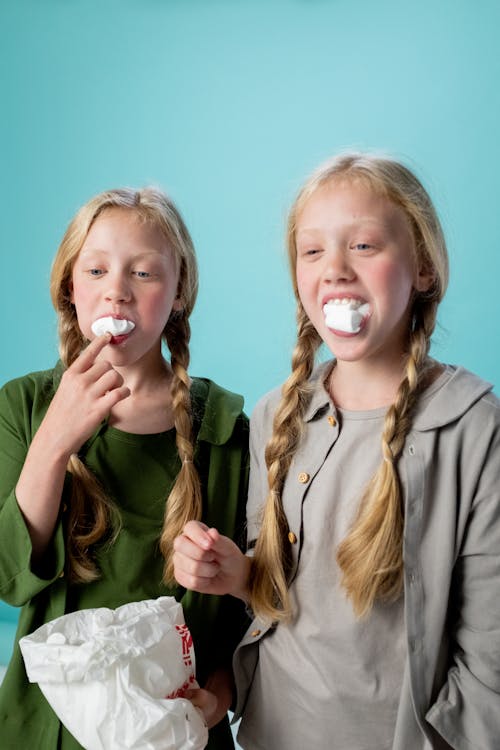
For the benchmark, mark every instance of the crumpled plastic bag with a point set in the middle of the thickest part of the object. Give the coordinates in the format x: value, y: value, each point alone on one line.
x: 116, y: 678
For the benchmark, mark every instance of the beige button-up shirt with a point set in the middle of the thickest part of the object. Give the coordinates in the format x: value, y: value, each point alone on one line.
x: 450, y: 475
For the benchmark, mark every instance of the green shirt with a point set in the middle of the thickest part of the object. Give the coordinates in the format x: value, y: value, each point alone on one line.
x: 138, y: 472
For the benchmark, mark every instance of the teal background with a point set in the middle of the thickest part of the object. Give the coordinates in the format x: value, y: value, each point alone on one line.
x: 228, y: 104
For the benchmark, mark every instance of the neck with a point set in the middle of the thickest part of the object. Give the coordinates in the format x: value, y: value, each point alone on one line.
x: 144, y: 377
x: 360, y: 386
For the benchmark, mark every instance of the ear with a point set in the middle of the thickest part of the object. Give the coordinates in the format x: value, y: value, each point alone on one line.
x: 424, y: 279
x: 178, y: 304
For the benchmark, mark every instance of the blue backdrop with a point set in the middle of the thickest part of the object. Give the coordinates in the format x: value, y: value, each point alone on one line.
x: 228, y: 104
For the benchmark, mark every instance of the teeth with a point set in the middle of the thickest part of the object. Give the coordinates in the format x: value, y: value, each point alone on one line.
x: 345, y: 314
x: 115, y: 326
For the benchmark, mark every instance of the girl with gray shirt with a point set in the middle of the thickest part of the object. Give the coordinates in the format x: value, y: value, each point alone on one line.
x: 373, y: 564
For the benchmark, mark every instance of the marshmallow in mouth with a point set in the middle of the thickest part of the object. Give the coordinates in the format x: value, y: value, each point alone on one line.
x: 345, y: 314
x: 114, y: 326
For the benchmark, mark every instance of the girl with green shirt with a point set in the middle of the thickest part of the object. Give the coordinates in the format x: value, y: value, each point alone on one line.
x: 105, y: 458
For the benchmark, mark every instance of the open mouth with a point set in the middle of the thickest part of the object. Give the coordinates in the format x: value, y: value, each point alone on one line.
x: 345, y: 314
x: 114, y: 326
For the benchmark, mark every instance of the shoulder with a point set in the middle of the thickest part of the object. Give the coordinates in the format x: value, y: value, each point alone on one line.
x: 462, y: 395
x: 218, y: 412
x: 24, y: 402
x: 266, y: 406
x: 34, y: 387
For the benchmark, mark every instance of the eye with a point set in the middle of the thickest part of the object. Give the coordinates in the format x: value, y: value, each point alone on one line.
x: 95, y: 271
x: 361, y: 246
x: 310, y: 252
x: 142, y: 274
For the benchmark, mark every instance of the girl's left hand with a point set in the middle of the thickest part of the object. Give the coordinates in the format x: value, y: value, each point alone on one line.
x: 207, y: 703
x: 210, y: 563
x: 215, y: 698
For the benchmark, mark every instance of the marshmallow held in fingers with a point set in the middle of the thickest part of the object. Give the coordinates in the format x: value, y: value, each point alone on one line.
x: 345, y: 314
x: 114, y: 326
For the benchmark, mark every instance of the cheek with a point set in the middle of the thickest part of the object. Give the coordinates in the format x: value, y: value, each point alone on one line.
x: 304, y: 286
x: 79, y: 294
x: 394, y: 282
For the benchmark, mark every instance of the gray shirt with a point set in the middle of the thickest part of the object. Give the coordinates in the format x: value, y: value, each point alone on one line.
x: 449, y: 693
x: 346, y: 672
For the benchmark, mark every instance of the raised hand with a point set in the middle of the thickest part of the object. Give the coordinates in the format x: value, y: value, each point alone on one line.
x: 87, y: 392
x: 207, y: 562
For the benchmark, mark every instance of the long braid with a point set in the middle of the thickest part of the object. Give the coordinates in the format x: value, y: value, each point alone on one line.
x: 371, y: 556
x: 268, y: 585
x: 185, y: 500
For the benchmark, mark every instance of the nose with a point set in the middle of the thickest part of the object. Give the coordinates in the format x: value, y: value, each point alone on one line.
x: 118, y: 288
x: 337, y: 267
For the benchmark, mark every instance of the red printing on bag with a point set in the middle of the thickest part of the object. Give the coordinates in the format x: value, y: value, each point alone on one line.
x: 180, y: 692
x: 187, y: 644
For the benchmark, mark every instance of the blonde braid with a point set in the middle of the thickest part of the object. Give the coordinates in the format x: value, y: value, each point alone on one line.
x: 90, y: 517
x: 268, y: 585
x: 371, y: 556
x: 185, y: 500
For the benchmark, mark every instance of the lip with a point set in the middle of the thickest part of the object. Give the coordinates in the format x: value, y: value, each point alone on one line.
x: 115, y: 340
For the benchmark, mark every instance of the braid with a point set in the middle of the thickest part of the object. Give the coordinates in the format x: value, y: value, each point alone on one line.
x: 184, y: 502
x: 90, y: 516
x: 371, y: 556
x: 268, y: 585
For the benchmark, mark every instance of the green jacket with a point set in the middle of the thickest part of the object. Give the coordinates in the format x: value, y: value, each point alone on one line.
x: 138, y: 471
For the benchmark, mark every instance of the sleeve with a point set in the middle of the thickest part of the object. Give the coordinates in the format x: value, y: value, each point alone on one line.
x: 18, y: 581
x: 218, y: 622
x: 467, y: 710
x: 260, y: 430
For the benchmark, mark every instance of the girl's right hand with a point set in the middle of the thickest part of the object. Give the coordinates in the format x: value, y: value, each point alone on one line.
x: 207, y: 562
x: 88, y: 390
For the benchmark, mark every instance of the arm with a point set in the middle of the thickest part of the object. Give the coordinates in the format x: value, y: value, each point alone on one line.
x: 207, y: 562
x: 87, y: 392
x: 466, y: 711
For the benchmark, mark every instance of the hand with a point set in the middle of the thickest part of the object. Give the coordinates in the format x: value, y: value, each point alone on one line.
x: 207, y: 562
x: 206, y: 702
x: 215, y: 698
x: 88, y: 390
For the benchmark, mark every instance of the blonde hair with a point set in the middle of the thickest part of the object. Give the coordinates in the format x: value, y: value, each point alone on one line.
x: 92, y: 514
x: 371, y: 556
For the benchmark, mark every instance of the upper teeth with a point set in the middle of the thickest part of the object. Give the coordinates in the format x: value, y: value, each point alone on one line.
x: 115, y: 326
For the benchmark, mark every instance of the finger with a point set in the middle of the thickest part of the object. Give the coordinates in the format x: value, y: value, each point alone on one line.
x: 222, y: 545
x: 205, y: 569
x: 113, y: 396
x: 107, y: 379
x: 197, y: 532
x: 185, y: 547
x: 196, y: 583
x: 87, y: 358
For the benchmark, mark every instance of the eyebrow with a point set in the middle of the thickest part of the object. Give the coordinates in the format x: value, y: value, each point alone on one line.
x: 355, y: 224
x: 103, y: 251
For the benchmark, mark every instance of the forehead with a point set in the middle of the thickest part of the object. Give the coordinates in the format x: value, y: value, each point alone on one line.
x: 350, y: 201
x: 126, y: 231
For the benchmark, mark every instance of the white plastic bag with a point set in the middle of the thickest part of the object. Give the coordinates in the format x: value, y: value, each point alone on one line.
x: 116, y: 678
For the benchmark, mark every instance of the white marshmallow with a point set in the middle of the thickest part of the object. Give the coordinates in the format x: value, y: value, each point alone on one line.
x: 346, y: 317
x: 115, y: 326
